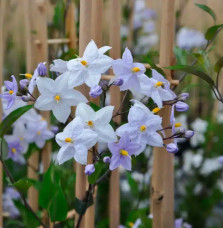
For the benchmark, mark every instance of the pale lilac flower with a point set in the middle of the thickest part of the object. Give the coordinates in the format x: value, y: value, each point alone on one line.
x: 10, y: 95
x: 118, y: 82
x: 190, y: 38
x: 97, y: 121
x: 128, y: 71
x: 15, y: 150
x: 106, y: 159
x: 56, y: 96
x: 89, y: 169
x: 157, y: 87
x: 142, y: 126
x: 220, y: 159
x: 180, y: 224
x: 32, y: 83
x: 75, y: 142
x: 54, y: 129
x: 122, y: 152
x: 88, y: 69
x: 38, y: 132
x: 59, y: 66
x: 95, y: 91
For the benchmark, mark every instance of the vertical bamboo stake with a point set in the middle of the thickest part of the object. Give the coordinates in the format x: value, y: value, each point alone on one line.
x: 131, y: 25
x: 115, y: 43
x: 84, y: 38
x: 2, y: 10
x: 163, y: 172
x: 96, y: 35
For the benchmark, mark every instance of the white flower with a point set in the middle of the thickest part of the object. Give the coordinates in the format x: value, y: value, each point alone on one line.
x: 157, y: 87
x: 199, y: 125
x: 89, y: 68
x: 75, y: 142
x: 56, y: 96
x: 59, y: 66
x: 98, y: 121
x: 210, y: 165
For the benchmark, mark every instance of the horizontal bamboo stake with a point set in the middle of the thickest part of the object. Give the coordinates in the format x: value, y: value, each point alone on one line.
x: 54, y: 41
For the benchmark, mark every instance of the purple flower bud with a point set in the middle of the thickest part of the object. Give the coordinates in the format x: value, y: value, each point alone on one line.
x: 118, y: 82
x: 189, y: 134
x: 95, y: 91
x: 89, y: 169
x: 106, y: 159
x: 41, y: 69
x: 220, y: 160
x: 24, y: 83
x: 183, y: 96
x: 172, y: 148
x: 181, y: 106
x: 54, y: 129
x: 25, y: 98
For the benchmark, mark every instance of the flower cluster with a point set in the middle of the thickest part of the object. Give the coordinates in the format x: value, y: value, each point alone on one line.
x: 89, y: 127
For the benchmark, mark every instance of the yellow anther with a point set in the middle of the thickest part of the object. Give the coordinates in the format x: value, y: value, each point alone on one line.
x: 177, y: 124
x: 90, y: 123
x: 11, y: 92
x: 131, y: 224
x: 21, y: 138
x: 83, y: 62
x: 38, y: 133
x: 142, y: 128
x: 68, y: 140
x: 43, y: 119
x: 28, y: 75
x: 159, y: 84
x: 14, y: 150
x: 135, y: 69
x: 124, y: 152
x: 57, y: 98
x: 156, y: 110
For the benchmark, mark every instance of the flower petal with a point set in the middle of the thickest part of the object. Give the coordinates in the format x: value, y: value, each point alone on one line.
x: 65, y: 153
x: 104, y: 115
x: 106, y: 133
x: 61, y: 112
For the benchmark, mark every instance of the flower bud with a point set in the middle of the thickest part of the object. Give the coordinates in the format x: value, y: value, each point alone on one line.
x: 24, y: 83
x: 54, y: 129
x: 106, y: 159
x: 25, y: 98
x: 220, y: 160
x: 181, y: 106
x: 172, y: 148
x: 183, y: 96
x: 189, y: 134
x: 95, y: 91
x: 41, y: 69
x: 89, y: 169
x: 118, y: 82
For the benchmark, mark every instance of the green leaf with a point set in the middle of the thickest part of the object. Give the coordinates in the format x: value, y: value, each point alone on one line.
x: 94, y: 106
x: 212, y: 31
x: 99, y: 167
x: 11, y: 118
x: 154, y: 66
x: 133, y: 185
x: 58, y: 207
x: 81, y: 206
x: 195, y: 71
x: 23, y: 185
x: 218, y: 65
x: 207, y: 9
x: 28, y: 218
x: 3, y: 148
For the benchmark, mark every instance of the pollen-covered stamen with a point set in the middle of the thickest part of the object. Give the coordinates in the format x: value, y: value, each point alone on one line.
x: 156, y: 110
x: 131, y: 224
x: 158, y: 84
x: 13, y: 150
x: 90, y: 123
x: 69, y: 140
x: 143, y: 128
x: 28, y: 75
x: 135, y: 69
x: 38, y: 133
x: 11, y: 92
x: 83, y: 62
x: 57, y: 98
x: 177, y: 125
x: 124, y: 152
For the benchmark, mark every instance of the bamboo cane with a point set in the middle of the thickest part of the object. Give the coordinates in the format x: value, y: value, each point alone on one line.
x: 96, y: 35
x: 115, y: 43
x: 84, y: 38
x: 2, y: 20
x: 131, y: 25
x: 163, y: 172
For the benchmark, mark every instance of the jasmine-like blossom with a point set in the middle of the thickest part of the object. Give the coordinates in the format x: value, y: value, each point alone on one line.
x: 97, y: 121
x: 128, y: 71
x: 15, y: 150
x: 142, y: 126
x: 88, y: 69
x: 122, y: 152
x: 157, y: 87
x: 11, y: 95
x: 38, y: 133
x: 190, y: 38
x: 59, y: 66
x: 75, y: 142
x: 56, y: 96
